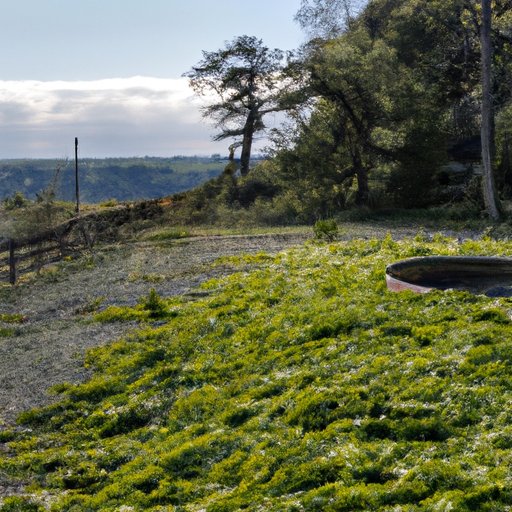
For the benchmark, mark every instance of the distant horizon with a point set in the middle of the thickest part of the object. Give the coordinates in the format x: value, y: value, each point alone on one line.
x: 254, y: 156
x: 111, y: 72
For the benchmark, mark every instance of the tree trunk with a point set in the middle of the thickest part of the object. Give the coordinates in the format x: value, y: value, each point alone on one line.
x: 488, y: 185
x: 248, y: 136
x: 362, y: 180
x: 363, y: 191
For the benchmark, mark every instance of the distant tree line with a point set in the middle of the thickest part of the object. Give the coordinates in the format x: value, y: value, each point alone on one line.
x: 111, y: 178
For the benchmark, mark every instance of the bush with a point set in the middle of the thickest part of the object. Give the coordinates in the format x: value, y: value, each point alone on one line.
x: 155, y: 305
x: 17, y: 200
x: 326, y: 229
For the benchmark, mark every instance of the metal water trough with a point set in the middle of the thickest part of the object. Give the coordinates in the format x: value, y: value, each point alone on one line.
x: 491, y: 276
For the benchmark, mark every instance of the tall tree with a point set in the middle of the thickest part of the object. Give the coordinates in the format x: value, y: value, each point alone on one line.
x: 489, y: 188
x: 359, y: 76
x: 246, y: 79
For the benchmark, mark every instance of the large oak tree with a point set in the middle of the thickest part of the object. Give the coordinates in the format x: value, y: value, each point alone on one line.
x: 403, y: 78
x: 245, y: 79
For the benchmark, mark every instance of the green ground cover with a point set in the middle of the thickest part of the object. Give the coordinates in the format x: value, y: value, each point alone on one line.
x: 297, y: 383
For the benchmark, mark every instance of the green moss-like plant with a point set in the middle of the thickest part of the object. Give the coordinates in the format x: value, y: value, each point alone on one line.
x: 20, y: 504
x: 326, y: 229
x: 12, y: 318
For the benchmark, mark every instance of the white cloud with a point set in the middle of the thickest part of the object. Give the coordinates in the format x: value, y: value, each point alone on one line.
x: 111, y: 117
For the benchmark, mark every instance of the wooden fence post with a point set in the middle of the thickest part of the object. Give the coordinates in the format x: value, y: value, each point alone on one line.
x: 12, y: 262
x: 77, y: 186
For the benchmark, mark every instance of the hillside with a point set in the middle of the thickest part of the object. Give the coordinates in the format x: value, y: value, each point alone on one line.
x: 111, y: 178
x: 291, y: 381
x: 56, y: 306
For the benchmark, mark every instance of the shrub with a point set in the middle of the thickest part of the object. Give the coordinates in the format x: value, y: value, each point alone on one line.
x: 326, y: 229
x: 17, y: 200
x: 156, y: 307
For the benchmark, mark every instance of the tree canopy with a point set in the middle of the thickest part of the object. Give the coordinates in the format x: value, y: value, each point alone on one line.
x: 397, y: 85
x: 384, y: 105
x: 245, y: 79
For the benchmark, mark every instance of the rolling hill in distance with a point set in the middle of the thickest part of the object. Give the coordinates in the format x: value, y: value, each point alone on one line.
x: 123, y: 179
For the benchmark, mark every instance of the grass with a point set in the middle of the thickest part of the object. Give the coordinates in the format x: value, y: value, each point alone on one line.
x: 7, y: 332
x: 179, y: 232
x: 297, y: 383
x: 12, y: 318
x: 161, y: 234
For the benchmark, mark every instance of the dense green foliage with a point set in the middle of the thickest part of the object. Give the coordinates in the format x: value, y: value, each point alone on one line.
x: 297, y: 383
x: 390, y: 102
x: 385, y: 113
x: 110, y: 178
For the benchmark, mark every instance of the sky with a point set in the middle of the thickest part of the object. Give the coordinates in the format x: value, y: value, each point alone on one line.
x: 110, y: 72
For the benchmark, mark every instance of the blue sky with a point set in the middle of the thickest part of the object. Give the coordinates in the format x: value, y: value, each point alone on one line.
x: 110, y: 72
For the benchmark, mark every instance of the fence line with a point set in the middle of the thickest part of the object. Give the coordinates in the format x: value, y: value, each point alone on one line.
x: 14, y: 251
x: 55, y: 241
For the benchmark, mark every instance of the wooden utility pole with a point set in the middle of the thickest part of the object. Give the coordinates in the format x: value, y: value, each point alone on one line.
x: 491, y: 200
x: 77, y: 187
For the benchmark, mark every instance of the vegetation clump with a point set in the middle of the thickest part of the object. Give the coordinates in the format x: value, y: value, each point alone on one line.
x: 297, y: 383
x: 326, y: 229
x: 12, y: 318
x: 154, y: 305
x: 151, y: 307
x: 17, y: 200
